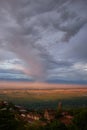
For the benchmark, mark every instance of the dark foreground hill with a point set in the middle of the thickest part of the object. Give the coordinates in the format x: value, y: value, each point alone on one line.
x: 13, y: 117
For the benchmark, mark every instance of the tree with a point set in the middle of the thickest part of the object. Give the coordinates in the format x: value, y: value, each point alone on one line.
x: 56, y: 125
x: 80, y: 120
x: 8, y: 121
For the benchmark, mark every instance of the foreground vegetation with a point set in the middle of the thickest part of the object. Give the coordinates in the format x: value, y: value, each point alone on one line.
x: 10, y: 119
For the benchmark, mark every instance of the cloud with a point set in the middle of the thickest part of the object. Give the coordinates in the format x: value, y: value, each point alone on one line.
x: 45, y: 35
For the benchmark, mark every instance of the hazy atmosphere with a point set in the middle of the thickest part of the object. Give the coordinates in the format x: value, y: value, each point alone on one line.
x: 43, y: 40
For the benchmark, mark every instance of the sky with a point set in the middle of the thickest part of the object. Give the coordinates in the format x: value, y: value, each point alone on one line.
x: 43, y: 41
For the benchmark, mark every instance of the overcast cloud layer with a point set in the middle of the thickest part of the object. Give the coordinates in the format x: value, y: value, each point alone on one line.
x: 43, y: 39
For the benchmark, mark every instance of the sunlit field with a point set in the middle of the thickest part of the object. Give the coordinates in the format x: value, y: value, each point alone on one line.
x: 45, y: 98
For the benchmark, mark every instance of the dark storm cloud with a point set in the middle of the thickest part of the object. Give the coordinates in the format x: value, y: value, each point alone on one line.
x: 79, y: 44
x: 46, y: 35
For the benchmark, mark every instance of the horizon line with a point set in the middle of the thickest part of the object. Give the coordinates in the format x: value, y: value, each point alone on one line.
x: 37, y: 85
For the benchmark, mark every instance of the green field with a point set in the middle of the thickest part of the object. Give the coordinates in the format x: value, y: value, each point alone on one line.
x: 40, y: 99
